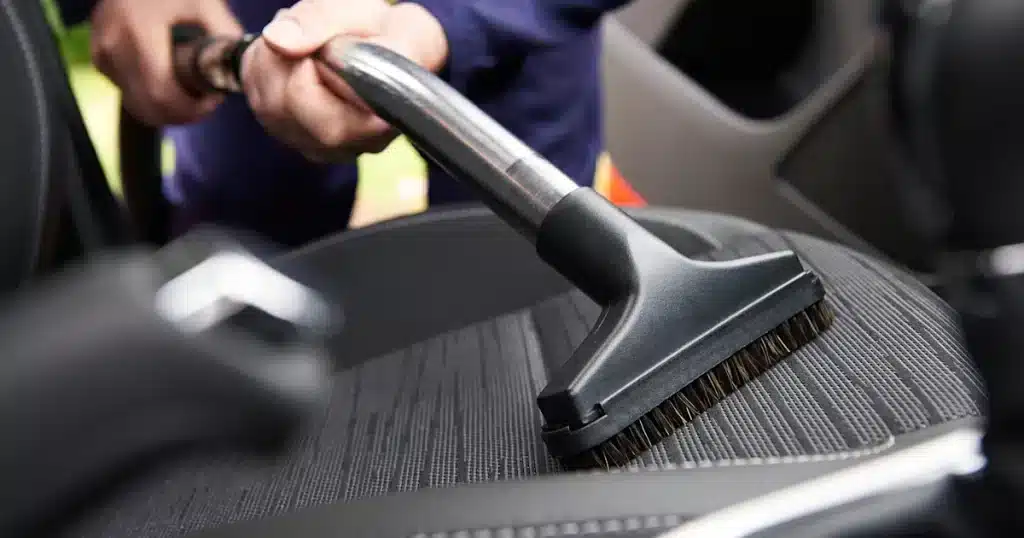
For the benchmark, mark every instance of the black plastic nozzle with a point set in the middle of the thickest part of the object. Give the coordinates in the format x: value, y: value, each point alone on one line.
x: 667, y: 319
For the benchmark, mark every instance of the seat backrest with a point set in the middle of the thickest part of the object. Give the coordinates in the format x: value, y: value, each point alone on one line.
x: 26, y: 150
x: 55, y: 202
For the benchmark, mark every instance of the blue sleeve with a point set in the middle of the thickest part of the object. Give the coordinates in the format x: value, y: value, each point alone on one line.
x: 480, y: 32
x: 73, y: 12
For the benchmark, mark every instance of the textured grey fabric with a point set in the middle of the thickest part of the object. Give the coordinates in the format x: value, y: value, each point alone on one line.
x: 461, y: 407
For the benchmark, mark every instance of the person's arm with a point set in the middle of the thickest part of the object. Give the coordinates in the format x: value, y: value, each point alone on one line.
x: 481, y: 32
x: 322, y: 117
x: 73, y: 12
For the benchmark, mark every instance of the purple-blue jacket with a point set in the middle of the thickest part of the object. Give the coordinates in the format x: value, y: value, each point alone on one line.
x: 530, y: 64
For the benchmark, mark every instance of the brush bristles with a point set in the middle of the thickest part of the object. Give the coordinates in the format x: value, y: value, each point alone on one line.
x: 701, y: 395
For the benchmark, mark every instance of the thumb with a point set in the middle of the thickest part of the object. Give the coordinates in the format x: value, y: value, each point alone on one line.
x: 305, y: 27
x: 217, y: 18
x: 406, y: 29
x: 410, y: 30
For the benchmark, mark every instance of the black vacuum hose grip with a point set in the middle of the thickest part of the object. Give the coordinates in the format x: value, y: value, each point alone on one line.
x: 187, y: 44
x: 184, y: 34
x: 115, y: 363
x: 205, y: 64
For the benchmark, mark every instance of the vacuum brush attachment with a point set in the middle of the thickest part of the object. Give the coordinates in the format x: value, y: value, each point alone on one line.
x: 676, y: 335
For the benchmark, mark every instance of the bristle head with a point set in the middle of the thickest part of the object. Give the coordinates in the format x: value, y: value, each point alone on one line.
x: 704, y: 393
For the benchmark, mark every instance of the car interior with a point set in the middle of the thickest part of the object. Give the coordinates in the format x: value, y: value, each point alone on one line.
x: 743, y: 107
x: 749, y: 127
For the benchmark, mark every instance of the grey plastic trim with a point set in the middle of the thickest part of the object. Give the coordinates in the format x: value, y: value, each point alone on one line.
x: 700, y: 154
x: 648, y: 21
x: 680, y: 146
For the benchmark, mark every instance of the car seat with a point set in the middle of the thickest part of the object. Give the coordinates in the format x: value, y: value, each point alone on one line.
x: 453, y: 327
x: 57, y: 204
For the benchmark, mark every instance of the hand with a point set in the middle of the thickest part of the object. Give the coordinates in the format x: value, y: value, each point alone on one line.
x: 131, y: 44
x: 302, y: 103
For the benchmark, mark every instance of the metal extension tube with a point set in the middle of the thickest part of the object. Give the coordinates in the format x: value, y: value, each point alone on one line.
x: 517, y: 183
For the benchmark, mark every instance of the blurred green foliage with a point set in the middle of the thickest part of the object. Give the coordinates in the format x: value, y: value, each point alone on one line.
x: 74, y: 41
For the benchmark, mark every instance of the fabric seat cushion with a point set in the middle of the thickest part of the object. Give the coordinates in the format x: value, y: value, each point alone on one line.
x: 460, y: 407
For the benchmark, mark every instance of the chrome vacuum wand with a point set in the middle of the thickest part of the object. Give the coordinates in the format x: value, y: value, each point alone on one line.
x: 519, y: 185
